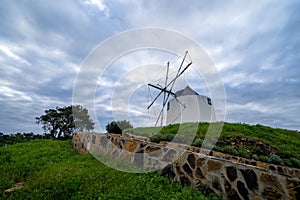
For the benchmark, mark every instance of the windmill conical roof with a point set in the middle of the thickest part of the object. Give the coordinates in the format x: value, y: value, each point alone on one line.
x: 186, y: 91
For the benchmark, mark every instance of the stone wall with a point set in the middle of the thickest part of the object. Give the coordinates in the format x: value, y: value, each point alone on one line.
x: 211, y: 172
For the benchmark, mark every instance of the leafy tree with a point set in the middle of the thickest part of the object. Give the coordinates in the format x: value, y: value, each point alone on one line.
x: 62, y: 122
x: 118, y: 126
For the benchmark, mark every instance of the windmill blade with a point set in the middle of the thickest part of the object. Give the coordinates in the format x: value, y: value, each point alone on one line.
x: 170, y: 91
x: 163, y: 107
x: 182, y: 62
x: 166, y: 90
x: 154, y: 99
x: 177, y: 76
x: 161, y: 91
x: 166, y: 81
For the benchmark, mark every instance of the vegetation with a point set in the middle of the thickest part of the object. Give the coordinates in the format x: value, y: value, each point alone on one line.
x: 62, y: 122
x: 273, y: 145
x: 17, y: 138
x: 117, y: 126
x: 51, y: 169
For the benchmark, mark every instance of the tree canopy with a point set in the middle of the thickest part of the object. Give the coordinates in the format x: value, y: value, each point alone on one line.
x: 118, y: 126
x: 62, y: 122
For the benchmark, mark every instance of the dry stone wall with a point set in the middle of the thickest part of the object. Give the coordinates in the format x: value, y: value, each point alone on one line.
x: 211, y: 172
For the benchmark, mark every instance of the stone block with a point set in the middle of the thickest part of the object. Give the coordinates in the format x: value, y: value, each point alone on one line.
x: 293, y: 187
x: 214, y: 165
x: 271, y: 193
x: 250, y: 178
x: 187, y: 170
x: 191, y: 160
x: 198, y: 173
x: 271, y: 180
x: 183, y: 180
x: 243, y: 190
x: 130, y: 145
x: 231, y: 173
x: 181, y: 159
x: 170, y: 156
x: 168, y: 172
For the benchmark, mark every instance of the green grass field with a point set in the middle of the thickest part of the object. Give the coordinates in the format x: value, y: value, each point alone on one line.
x: 52, y: 169
x: 285, y: 144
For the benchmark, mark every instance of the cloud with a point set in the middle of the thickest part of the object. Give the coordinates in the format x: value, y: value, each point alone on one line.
x: 99, y: 4
x: 254, y: 45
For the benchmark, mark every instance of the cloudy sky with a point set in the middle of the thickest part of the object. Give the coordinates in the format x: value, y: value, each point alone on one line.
x: 254, y: 45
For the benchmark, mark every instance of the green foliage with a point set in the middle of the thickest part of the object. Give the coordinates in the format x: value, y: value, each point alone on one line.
x: 62, y: 122
x: 146, y: 132
x: 118, y: 126
x: 230, y: 150
x: 172, y: 128
x: 51, y: 169
x: 264, y: 158
x: 286, y: 142
x: 295, y: 162
x: 161, y: 137
x: 255, y: 156
x: 275, y: 159
x: 197, y: 142
x: 243, y: 153
x: 17, y: 138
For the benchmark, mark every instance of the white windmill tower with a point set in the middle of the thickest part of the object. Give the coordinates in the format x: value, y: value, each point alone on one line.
x: 186, y: 105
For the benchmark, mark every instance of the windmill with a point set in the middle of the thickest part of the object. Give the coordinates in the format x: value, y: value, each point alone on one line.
x: 166, y: 90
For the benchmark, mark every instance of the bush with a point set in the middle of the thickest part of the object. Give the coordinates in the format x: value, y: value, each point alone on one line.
x: 275, y: 159
x: 117, y: 126
x: 197, y: 142
x: 264, y: 158
x: 243, y: 153
x: 217, y: 148
x: 170, y: 129
x: 288, y: 162
x: 230, y: 150
x: 295, y: 162
x: 162, y: 137
x: 255, y: 156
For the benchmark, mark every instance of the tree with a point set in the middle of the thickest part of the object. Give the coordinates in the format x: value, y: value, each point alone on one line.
x: 62, y: 122
x: 118, y: 126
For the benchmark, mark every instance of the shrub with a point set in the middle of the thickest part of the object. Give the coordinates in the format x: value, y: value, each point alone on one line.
x: 218, y: 148
x: 295, y: 162
x: 230, y: 150
x: 264, y: 158
x: 243, y: 153
x: 288, y: 162
x: 172, y: 128
x: 275, y: 159
x: 255, y: 156
x: 197, y: 142
x: 161, y: 137
x: 156, y: 138
x: 118, y: 126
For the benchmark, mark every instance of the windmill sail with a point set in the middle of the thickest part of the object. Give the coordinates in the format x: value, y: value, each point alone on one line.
x: 168, y: 87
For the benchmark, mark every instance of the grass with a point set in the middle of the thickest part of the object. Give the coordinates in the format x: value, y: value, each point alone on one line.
x: 53, y: 170
x: 285, y: 142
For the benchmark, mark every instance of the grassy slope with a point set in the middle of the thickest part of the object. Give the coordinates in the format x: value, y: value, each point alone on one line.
x: 53, y: 170
x: 284, y: 141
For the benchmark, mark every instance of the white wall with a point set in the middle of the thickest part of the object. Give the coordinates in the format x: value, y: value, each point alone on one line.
x: 196, y: 109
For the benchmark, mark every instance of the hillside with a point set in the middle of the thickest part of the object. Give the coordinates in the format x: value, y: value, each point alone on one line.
x: 48, y: 169
x: 258, y: 142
